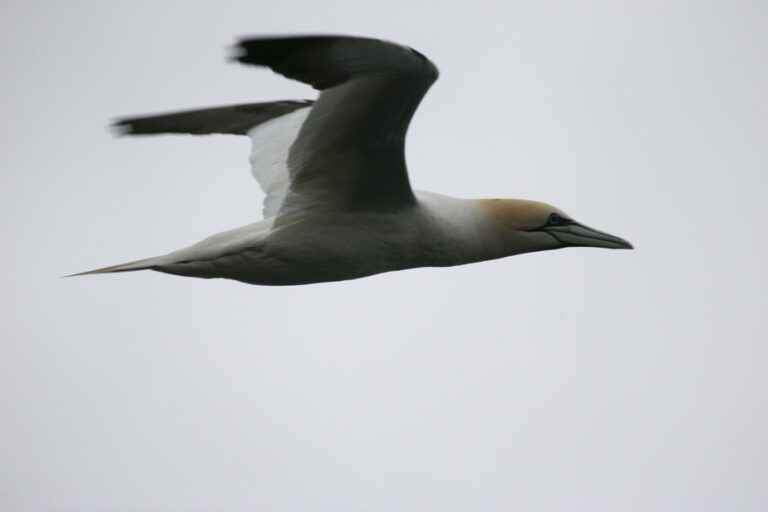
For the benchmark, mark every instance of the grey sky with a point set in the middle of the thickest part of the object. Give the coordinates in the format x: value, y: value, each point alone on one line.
x: 569, y: 380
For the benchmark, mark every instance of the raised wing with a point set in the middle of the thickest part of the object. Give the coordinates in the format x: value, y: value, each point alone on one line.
x: 232, y: 119
x: 349, y: 151
x: 272, y: 127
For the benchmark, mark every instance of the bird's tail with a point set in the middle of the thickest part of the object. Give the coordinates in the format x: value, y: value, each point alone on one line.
x: 145, y: 264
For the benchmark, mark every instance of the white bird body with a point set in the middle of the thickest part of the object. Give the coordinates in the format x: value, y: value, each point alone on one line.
x: 338, y: 202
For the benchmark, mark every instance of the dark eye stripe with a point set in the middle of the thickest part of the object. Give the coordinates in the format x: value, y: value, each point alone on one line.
x: 557, y: 220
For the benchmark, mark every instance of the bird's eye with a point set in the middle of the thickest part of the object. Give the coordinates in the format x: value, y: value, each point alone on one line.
x: 557, y: 220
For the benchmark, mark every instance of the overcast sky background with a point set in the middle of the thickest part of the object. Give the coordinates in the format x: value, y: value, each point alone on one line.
x: 580, y: 379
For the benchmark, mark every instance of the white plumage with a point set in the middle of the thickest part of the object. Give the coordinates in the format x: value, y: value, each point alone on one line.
x: 338, y: 200
x: 270, y: 146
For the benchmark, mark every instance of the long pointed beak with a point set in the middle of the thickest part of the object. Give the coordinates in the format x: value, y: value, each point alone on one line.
x: 578, y: 235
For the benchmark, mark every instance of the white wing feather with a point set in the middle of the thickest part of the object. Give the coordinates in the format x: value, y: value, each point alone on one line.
x: 271, y: 144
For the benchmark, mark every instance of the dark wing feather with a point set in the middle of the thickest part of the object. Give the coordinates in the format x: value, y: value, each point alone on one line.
x: 350, y: 151
x: 326, y: 61
x: 232, y: 119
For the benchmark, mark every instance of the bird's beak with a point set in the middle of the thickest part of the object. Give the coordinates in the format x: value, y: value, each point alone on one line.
x: 578, y: 235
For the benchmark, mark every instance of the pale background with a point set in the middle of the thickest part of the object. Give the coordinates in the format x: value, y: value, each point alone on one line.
x: 580, y: 379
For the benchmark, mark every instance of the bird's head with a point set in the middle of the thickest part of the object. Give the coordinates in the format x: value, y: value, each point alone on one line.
x: 529, y: 226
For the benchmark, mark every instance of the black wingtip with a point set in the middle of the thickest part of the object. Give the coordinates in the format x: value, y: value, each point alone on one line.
x: 236, y: 53
x: 120, y: 128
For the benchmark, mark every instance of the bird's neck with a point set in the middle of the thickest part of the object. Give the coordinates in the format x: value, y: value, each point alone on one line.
x: 479, y: 229
x: 464, y: 229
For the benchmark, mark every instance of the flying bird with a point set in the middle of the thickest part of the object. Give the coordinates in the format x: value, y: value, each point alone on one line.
x: 338, y: 202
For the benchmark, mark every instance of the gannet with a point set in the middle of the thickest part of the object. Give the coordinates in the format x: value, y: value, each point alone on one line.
x: 338, y: 202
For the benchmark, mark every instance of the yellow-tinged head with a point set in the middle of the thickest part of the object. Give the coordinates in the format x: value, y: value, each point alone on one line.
x: 534, y: 226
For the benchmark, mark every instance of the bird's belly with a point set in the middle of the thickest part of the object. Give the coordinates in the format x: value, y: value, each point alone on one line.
x: 328, y: 252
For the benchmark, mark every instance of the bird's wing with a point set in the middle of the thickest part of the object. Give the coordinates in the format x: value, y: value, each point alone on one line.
x: 347, y: 150
x: 272, y: 126
x: 231, y: 119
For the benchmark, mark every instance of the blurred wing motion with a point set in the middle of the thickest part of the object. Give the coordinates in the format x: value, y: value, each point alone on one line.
x: 271, y: 126
x: 343, y: 151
